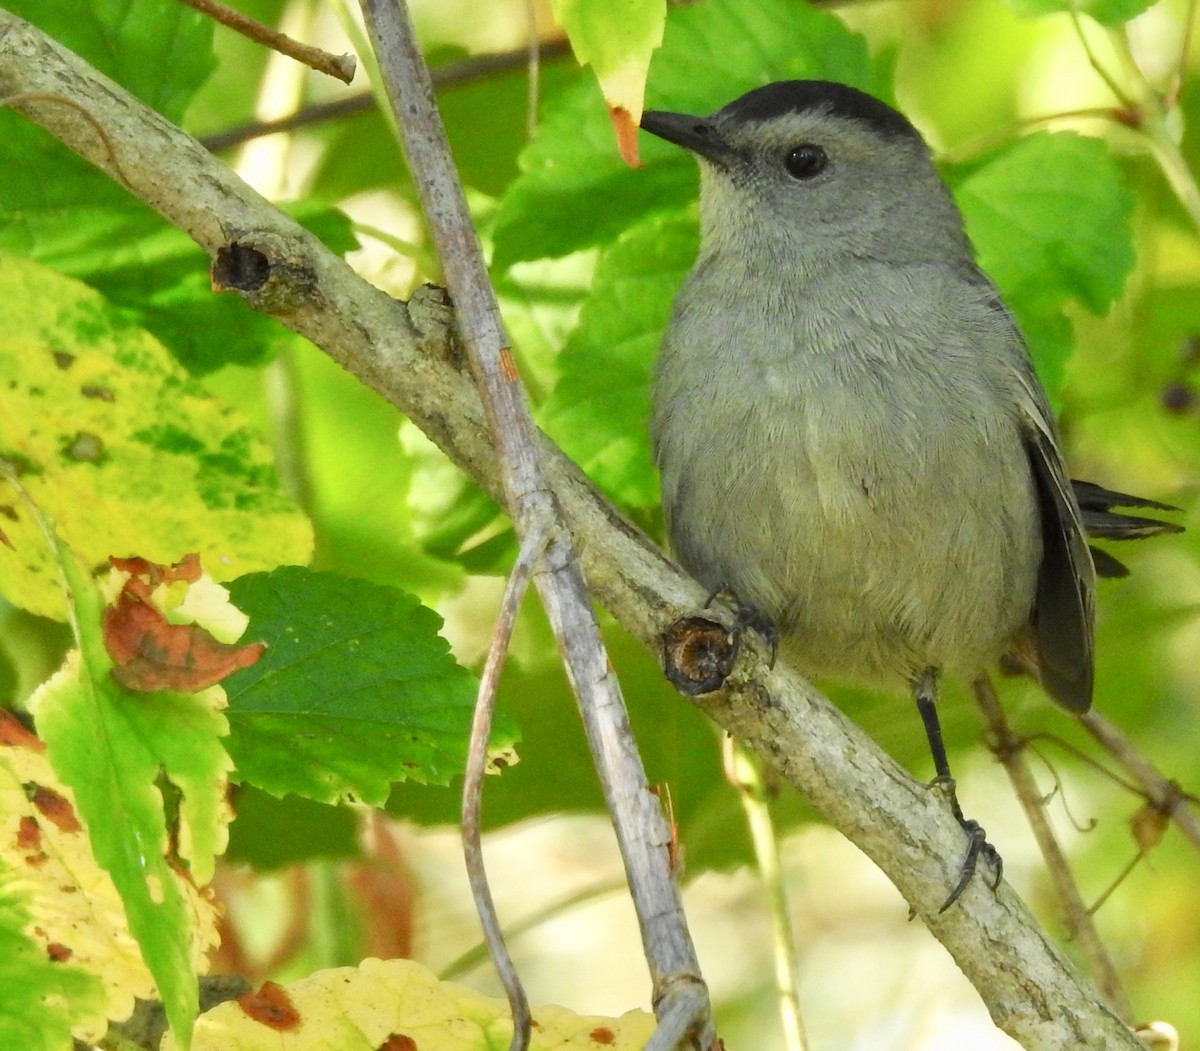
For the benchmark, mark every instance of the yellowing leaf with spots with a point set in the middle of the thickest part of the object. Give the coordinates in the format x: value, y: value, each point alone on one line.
x: 73, y: 915
x: 118, y: 445
x: 396, y: 1005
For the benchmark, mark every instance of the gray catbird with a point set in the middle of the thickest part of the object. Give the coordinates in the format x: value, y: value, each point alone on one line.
x: 849, y: 430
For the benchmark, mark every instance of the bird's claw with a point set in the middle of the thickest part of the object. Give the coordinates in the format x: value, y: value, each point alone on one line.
x: 977, y: 846
x: 747, y: 616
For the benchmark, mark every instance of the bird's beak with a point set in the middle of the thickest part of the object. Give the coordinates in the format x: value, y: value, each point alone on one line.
x: 697, y: 134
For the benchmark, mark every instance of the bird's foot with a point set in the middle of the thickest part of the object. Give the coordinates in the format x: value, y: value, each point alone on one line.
x: 977, y: 846
x: 749, y: 617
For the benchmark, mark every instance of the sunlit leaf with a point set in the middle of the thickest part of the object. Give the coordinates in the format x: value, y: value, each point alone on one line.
x: 121, y: 448
x: 113, y: 748
x: 603, y: 425
x: 616, y: 40
x: 397, y: 1005
x: 159, y: 52
x: 1050, y: 217
x: 75, y: 919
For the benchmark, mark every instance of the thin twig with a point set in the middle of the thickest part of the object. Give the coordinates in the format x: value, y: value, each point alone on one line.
x: 742, y: 771
x: 1085, y: 759
x: 453, y: 73
x: 533, y: 63
x: 1097, y: 66
x: 641, y: 830
x: 472, y: 806
x: 1161, y: 792
x: 1175, y: 85
x: 305, y: 117
x: 62, y: 100
x: 1120, y: 878
x: 340, y: 66
x: 986, y: 141
x: 1008, y: 748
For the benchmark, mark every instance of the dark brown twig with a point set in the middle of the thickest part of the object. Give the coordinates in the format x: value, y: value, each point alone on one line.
x: 1008, y: 748
x: 1161, y: 792
x: 472, y: 806
x: 340, y: 66
x: 453, y: 73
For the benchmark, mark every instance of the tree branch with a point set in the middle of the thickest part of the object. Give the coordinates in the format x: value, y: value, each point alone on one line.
x: 451, y: 74
x: 1032, y: 992
x: 1081, y: 928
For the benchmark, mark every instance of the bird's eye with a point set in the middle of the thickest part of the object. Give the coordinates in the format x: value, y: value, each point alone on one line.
x: 806, y: 161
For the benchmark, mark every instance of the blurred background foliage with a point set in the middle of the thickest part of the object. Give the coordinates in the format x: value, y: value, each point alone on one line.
x: 975, y: 75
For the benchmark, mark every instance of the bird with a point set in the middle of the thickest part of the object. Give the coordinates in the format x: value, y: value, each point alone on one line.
x: 850, y: 435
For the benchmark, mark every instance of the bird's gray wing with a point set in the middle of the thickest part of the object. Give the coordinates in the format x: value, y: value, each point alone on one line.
x: 1064, y: 606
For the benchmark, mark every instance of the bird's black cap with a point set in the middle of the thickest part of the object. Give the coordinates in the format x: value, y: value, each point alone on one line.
x: 839, y: 100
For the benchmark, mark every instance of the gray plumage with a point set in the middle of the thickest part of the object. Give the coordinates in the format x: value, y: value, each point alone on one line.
x: 848, y: 428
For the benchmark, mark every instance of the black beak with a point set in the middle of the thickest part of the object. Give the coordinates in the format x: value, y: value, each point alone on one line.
x: 697, y: 134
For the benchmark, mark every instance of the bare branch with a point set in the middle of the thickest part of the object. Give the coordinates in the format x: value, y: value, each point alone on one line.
x: 637, y: 819
x: 451, y: 74
x: 472, y: 806
x: 1163, y: 794
x: 1010, y: 750
x: 1032, y: 992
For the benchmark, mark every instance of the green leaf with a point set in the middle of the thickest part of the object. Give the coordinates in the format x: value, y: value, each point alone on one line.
x: 1050, y: 217
x: 121, y: 448
x: 602, y: 426
x: 158, y: 50
x: 89, y: 228
x: 111, y: 746
x: 41, y: 998
x: 1106, y: 12
x: 356, y: 689
x: 574, y: 191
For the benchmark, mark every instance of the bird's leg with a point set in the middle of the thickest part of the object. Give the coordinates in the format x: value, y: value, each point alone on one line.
x: 924, y: 689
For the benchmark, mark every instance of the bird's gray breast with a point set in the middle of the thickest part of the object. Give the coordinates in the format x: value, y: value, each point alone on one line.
x: 851, y: 464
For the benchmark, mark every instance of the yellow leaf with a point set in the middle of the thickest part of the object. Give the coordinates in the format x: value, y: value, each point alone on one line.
x: 396, y: 1005
x: 617, y: 38
x: 76, y: 914
x: 117, y: 444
